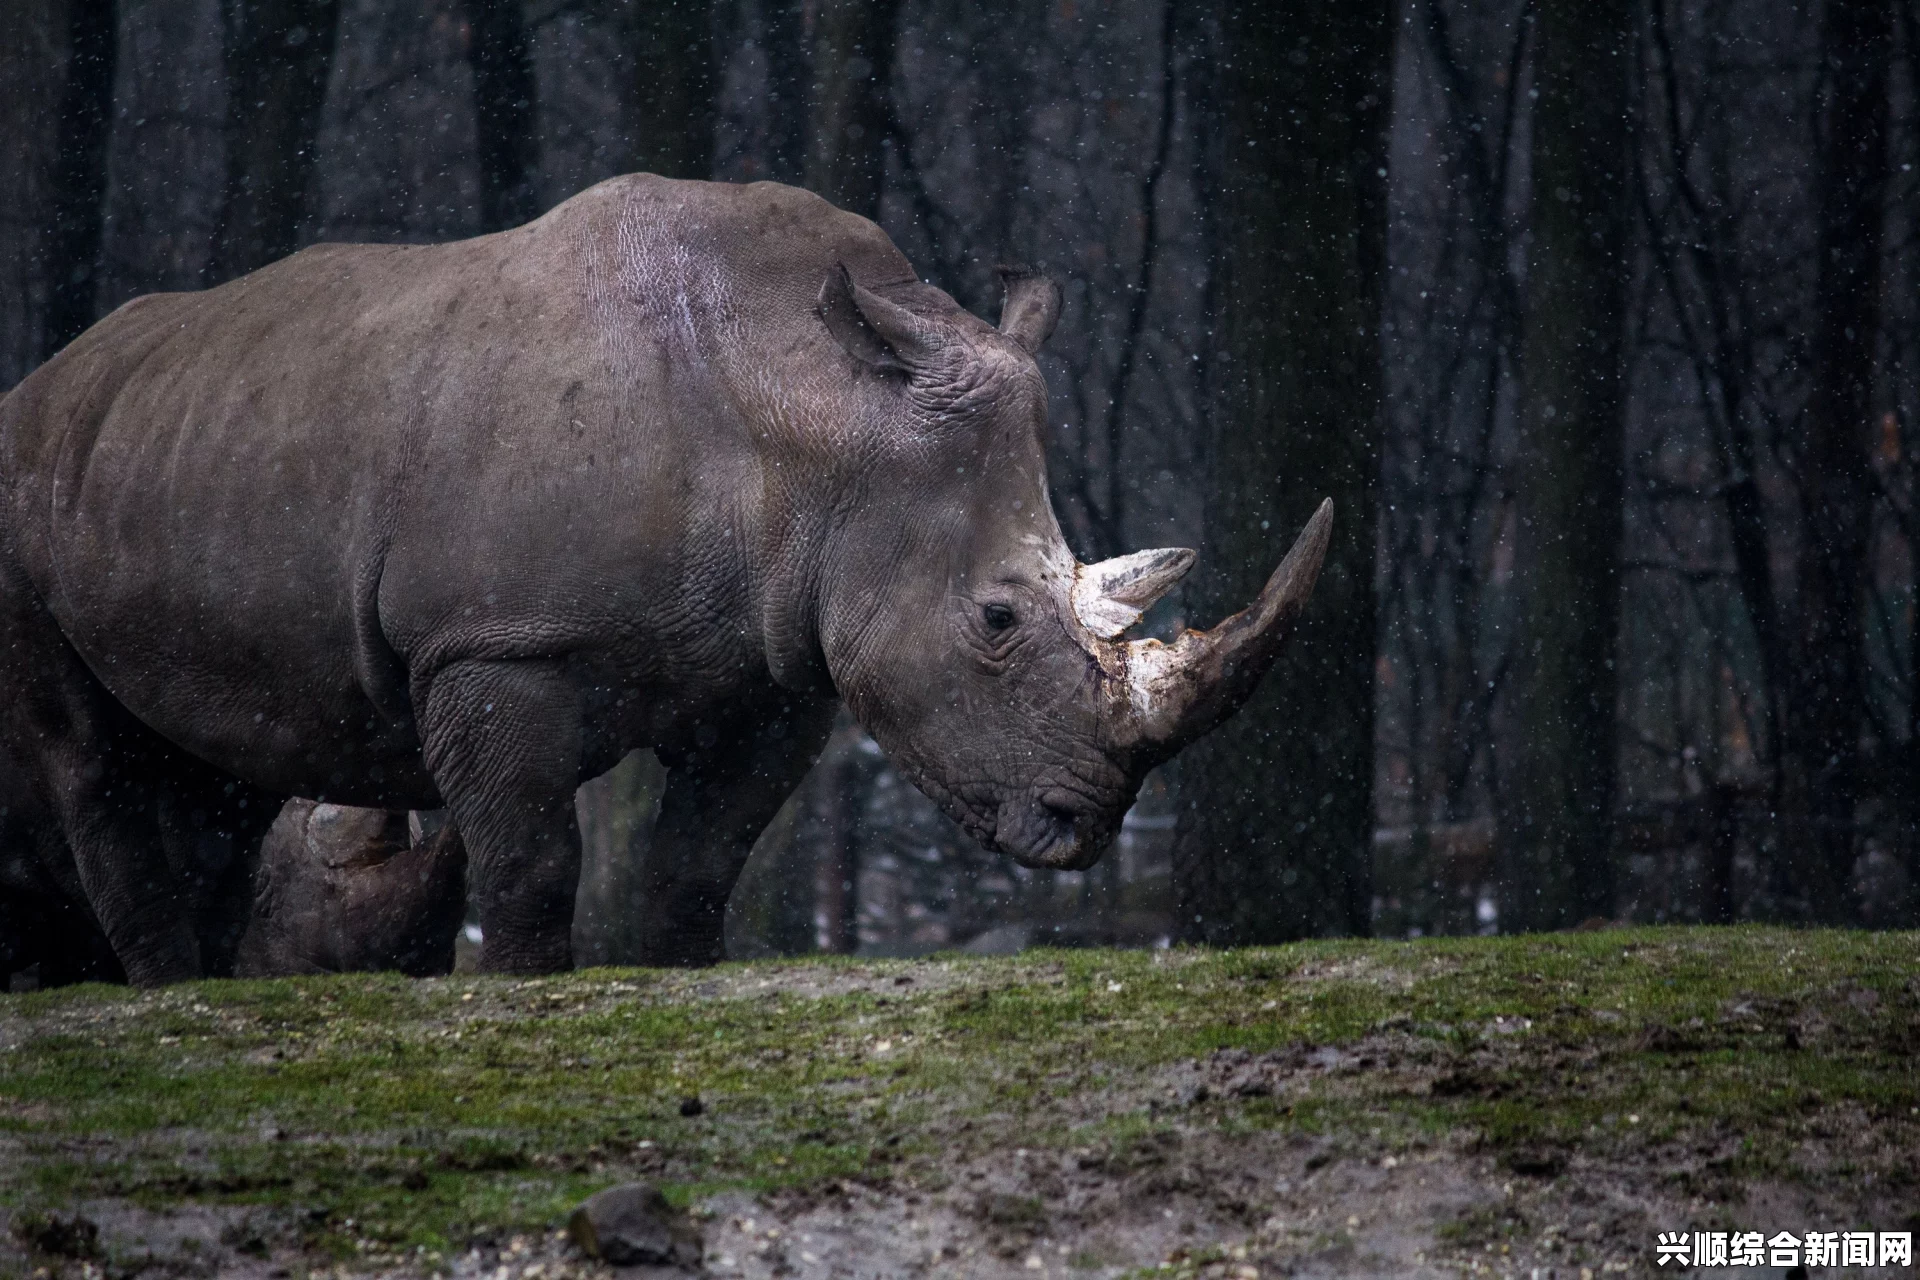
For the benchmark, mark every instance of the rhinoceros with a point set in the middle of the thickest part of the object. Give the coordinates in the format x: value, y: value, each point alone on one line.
x: 44, y: 919
x: 341, y: 889
x: 676, y: 465
x: 205, y: 834
x: 336, y: 890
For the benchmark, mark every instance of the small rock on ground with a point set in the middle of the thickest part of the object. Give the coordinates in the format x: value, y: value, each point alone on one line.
x: 633, y: 1225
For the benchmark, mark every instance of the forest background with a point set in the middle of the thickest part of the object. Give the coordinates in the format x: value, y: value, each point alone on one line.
x: 1599, y: 322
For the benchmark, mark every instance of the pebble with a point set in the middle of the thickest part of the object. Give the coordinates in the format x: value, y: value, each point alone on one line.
x: 633, y: 1224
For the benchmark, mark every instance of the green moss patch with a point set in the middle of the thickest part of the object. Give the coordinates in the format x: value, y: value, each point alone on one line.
x: 373, y: 1115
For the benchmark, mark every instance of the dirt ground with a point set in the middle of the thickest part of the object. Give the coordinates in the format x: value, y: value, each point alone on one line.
x: 1245, y: 1206
x: 1377, y: 1155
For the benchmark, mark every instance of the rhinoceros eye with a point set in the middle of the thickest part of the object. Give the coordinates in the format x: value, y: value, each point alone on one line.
x: 998, y: 617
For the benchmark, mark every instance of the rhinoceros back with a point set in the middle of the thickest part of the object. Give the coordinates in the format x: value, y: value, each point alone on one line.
x: 259, y: 510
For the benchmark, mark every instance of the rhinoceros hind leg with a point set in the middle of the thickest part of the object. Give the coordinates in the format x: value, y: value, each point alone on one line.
x: 49, y: 929
x: 502, y: 740
x: 717, y: 802
x: 211, y: 827
x: 104, y: 775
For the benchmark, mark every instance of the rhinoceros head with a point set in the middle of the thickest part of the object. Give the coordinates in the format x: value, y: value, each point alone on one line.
x: 991, y: 666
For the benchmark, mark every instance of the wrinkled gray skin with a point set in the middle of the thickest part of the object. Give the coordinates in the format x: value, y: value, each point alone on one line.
x: 675, y: 465
x: 335, y: 890
x: 206, y: 836
x: 44, y: 918
x: 342, y: 890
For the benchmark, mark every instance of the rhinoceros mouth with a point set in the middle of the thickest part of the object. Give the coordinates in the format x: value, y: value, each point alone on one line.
x: 1046, y: 831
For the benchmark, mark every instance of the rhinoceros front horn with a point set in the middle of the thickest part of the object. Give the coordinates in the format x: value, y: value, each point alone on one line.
x: 1177, y: 692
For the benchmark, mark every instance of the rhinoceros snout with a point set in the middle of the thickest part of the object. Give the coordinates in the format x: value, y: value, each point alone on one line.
x: 1046, y: 831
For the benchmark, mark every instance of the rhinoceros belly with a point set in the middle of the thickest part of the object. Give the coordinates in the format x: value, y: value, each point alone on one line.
x: 244, y: 657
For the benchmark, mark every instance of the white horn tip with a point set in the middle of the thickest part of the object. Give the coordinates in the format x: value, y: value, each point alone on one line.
x: 1104, y: 617
x: 1112, y: 595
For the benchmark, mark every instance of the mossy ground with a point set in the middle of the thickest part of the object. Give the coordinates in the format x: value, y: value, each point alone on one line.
x: 392, y: 1123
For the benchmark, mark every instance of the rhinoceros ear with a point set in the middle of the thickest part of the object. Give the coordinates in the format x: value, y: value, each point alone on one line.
x: 874, y: 331
x: 1030, y: 307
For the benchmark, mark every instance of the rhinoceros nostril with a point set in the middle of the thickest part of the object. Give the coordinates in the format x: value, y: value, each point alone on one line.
x: 1047, y: 829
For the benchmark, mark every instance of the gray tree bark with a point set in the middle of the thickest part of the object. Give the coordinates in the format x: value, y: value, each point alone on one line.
x: 1827, y: 708
x: 508, y: 143
x: 852, y: 57
x: 1558, y: 799
x: 1276, y: 815
x: 80, y: 172
x: 278, y: 54
x: 616, y: 813
x: 669, y: 105
x: 786, y: 51
x: 33, y: 53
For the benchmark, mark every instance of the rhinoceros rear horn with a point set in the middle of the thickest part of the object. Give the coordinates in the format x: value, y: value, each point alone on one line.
x: 1030, y: 307
x: 1112, y: 595
x: 874, y: 331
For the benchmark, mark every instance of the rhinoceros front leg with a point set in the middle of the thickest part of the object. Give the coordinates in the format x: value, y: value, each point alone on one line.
x: 502, y: 740
x: 717, y: 802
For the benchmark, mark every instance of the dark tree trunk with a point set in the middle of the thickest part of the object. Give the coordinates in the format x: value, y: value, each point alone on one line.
x: 853, y: 43
x: 1907, y: 393
x: 837, y: 794
x: 1277, y: 805
x: 278, y: 56
x: 80, y: 172
x: 1005, y: 121
x: 616, y: 813
x: 33, y: 40
x: 508, y: 145
x: 786, y: 52
x: 1829, y: 700
x: 1716, y: 897
x: 1107, y: 520
x: 669, y: 103
x: 1557, y: 805
x: 770, y: 912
